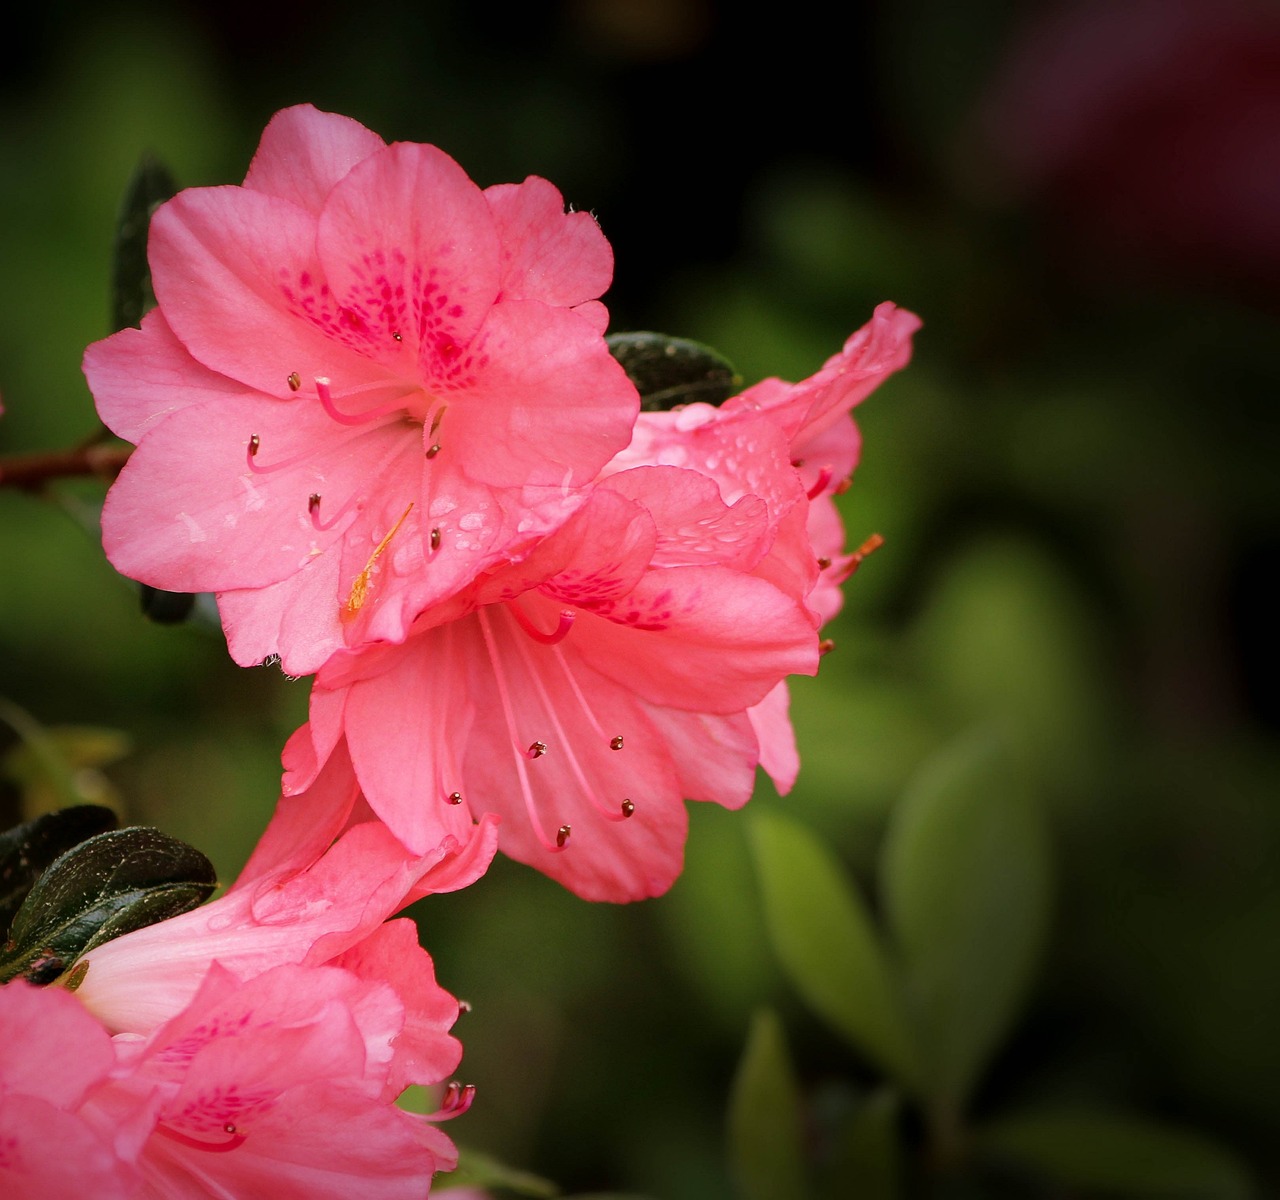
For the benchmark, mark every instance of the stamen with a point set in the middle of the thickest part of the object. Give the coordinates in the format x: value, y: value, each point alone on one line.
x: 373, y: 414
x: 577, y: 691
x: 433, y: 450
x: 360, y: 588
x: 562, y: 836
x: 536, y: 750
x: 843, y: 486
x: 870, y: 546
x: 509, y: 716
x: 820, y: 485
x: 313, y: 507
x: 456, y: 1100
x: 628, y: 808
x: 235, y: 1139
x: 251, y: 455
x: 435, y: 540
x: 294, y: 381
x: 823, y: 563
x: 455, y: 797
x: 826, y: 646
x: 609, y: 814
x: 558, y: 634
x: 435, y: 420
x: 615, y: 743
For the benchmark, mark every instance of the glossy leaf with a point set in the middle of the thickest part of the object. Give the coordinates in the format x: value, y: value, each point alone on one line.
x: 131, y: 293
x: 1118, y: 1154
x: 966, y: 889
x: 766, y: 1156
x: 670, y: 371
x: 827, y: 943
x: 106, y: 886
x: 867, y: 1156
x: 28, y: 849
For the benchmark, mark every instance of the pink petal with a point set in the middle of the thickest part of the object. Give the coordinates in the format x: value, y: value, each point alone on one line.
x: 139, y: 376
x: 772, y: 725
x: 304, y: 152
x: 548, y: 255
x: 50, y: 1047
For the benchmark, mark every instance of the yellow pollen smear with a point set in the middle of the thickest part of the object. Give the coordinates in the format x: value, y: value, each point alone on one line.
x: 360, y: 588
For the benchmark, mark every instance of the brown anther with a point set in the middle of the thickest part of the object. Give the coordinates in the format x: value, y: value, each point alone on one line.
x: 873, y: 543
x: 826, y: 646
x: 562, y: 836
x: 455, y: 797
x: 628, y: 807
x: 313, y: 502
x: 823, y: 563
x: 254, y: 442
x: 464, y: 1006
x: 396, y: 337
x: 843, y: 486
x: 615, y: 743
x: 433, y: 450
x: 537, y: 749
x: 797, y: 463
x: 435, y: 539
x: 228, y: 1128
x: 294, y: 381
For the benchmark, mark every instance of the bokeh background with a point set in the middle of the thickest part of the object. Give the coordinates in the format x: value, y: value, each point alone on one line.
x: 1076, y: 479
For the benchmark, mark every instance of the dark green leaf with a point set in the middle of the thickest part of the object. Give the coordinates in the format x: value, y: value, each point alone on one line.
x: 28, y: 849
x: 476, y: 1170
x: 1118, y: 1155
x: 131, y: 293
x: 867, y: 1158
x: 669, y: 371
x: 825, y: 940
x: 966, y: 890
x: 104, y: 887
x: 766, y: 1156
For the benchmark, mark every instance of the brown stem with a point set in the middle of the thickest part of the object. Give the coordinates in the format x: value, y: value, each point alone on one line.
x: 32, y: 471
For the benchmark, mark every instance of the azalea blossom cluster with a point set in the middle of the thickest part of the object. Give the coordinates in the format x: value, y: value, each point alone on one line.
x: 376, y: 414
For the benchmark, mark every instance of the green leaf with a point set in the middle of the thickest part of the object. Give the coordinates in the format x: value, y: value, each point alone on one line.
x: 670, y: 371
x: 109, y: 885
x: 1129, y: 1156
x: 131, y: 293
x: 766, y: 1157
x: 867, y: 1158
x: 476, y: 1170
x: 28, y: 849
x: 827, y: 944
x: 966, y: 888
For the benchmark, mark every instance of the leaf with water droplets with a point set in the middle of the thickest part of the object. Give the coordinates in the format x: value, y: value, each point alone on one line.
x: 670, y: 371
x: 826, y: 942
x: 131, y: 293
x: 27, y: 850
x: 106, y: 886
x: 766, y: 1153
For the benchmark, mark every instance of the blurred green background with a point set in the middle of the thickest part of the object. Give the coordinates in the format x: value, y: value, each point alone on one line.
x: 1076, y: 479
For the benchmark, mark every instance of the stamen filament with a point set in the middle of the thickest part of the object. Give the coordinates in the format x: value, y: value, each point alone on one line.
x: 517, y: 754
x: 820, y: 485
x: 373, y: 414
x: 234, y: 1139
x: 558, y: 634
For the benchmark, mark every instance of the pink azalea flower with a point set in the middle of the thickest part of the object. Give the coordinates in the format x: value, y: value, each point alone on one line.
x: 367, y: 382
x: 583, y: 693
x: 55, y: 1060
x: 746, y: 445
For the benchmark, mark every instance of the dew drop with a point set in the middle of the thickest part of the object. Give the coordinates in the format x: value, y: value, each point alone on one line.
x: 294, y: 381
x: 455, y: 797
x: 615, y: 743
x: 536, y: 749
x: 562, y: 836
x: 628, y: 808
